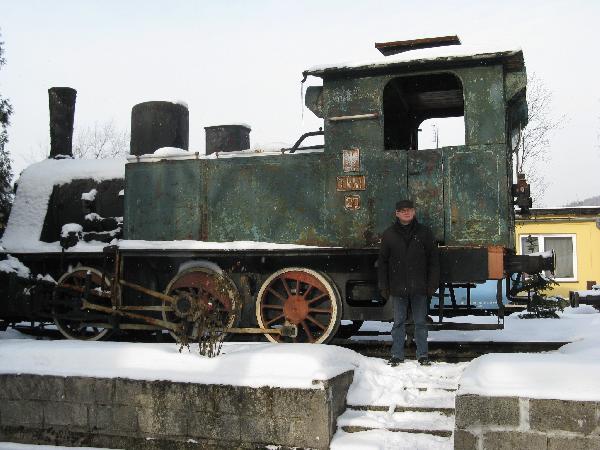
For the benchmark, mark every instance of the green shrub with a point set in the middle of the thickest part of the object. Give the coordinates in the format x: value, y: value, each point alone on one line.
x: 541, y: 306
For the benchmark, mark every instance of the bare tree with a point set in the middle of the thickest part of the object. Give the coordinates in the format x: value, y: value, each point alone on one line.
x: 100, y: 141
x: 36, y: 154
x: 535, y: 137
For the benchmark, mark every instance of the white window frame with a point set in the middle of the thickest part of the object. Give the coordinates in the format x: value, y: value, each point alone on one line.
x: 541, y: 243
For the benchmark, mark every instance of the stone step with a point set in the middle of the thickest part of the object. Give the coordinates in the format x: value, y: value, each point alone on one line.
x: 397, y: 408
x: 359, y: 429
x: 435, y: 423
x: 390, y: 440
x: 407, y: 397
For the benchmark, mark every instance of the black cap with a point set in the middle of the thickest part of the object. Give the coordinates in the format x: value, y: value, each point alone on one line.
x: 404, y: 204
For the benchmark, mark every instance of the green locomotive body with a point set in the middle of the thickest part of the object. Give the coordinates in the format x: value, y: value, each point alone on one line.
x: 343, y: 195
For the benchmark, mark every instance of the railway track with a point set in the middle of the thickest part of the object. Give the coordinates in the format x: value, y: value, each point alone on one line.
x: 448, y: 351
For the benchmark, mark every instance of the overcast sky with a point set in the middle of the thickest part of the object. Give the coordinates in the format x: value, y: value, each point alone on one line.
x: 241, y: 61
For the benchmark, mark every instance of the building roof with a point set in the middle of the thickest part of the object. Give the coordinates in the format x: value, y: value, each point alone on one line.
x: 561, y: 211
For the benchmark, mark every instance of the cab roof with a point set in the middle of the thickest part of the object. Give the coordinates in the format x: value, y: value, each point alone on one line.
x: 420, y: 59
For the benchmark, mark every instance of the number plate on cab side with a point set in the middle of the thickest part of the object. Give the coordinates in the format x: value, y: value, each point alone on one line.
x: 352, y: 202
x: 351, y: 183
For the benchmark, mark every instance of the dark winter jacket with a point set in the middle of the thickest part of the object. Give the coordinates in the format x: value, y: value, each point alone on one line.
x: 408, y: 260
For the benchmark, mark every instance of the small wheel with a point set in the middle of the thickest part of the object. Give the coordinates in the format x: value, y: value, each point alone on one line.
x: 71, y: 320
x: 303, y: 297
x: 201, y: 290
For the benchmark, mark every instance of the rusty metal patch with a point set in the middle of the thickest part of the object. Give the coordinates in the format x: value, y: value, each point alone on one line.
x: 495, y: 262
x: 352, y: 202
x: 351, y: 160
x: 351, y: 183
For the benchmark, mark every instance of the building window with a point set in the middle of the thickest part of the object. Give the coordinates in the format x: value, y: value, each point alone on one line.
x: 564, y: 245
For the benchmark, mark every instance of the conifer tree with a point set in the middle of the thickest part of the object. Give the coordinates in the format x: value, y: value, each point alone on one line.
x: 6, y: 194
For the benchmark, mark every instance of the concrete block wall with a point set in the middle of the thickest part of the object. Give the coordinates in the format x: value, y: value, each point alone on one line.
x: 132, y: 414
x: 486, y: 423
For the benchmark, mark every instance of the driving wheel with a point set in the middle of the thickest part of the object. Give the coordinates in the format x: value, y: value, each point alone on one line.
x: 303, y: 297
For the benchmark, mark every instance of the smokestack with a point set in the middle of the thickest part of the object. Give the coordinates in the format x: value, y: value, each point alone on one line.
x: 62, y: 114
x: 158, y: 124
x: 227, y: 138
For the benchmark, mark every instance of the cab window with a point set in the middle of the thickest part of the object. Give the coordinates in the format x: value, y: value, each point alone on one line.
x: 410, y: 101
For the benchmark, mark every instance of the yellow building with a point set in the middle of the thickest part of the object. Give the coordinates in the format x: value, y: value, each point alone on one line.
x: 574, y: 234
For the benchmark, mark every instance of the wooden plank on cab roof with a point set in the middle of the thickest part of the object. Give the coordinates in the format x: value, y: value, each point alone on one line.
x: 395, y: 47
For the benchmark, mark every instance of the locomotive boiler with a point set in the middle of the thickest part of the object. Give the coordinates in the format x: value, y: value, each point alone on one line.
x: 281, y: 243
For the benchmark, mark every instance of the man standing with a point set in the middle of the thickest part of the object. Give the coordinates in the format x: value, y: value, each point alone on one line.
x: 409, y: 271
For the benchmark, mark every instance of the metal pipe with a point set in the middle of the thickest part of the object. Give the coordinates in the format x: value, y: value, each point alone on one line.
x: 354, y: 117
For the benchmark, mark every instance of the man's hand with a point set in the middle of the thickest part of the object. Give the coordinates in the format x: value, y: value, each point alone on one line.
x: 385, y: 293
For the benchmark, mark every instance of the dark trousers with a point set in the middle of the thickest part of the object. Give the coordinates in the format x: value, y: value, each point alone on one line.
x: 420, y: 307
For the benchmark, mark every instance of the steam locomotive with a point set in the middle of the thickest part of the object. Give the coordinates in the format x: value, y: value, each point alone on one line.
x: 278, y: 243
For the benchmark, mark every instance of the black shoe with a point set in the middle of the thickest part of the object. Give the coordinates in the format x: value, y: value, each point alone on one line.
x: 424, y: 361
x: 395, y: 361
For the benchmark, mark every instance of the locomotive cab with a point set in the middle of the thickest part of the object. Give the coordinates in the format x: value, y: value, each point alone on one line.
x: 376, y: 109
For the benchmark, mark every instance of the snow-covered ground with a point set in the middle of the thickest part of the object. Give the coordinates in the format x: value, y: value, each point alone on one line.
x: 388, y: 390
x: 574, y: 324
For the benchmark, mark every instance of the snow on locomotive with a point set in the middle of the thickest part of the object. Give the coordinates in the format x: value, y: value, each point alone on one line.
x: 279, y: 243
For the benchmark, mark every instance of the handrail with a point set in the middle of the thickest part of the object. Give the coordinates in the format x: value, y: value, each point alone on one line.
x: 296, y: 146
